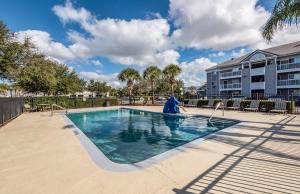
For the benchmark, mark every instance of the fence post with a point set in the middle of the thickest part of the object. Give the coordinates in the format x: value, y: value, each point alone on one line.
x: 291, y: 106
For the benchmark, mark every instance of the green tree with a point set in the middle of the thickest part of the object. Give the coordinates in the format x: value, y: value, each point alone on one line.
x: 67, y: 82
x: 38, y: 75
x: 152, y: 74
x: 3, y: 88
x: 102, y: 87
x: 91, y: 87
x: 130, y: 75
x: 284, y: 12
x: 13, y: 54
x: 170, y: 73
x: 193, y: 90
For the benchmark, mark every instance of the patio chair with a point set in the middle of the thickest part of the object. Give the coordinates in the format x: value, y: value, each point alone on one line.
x: 192, y: 103
x: 280, y: 107
x: 225, y: 103
x: 236, y: 105
x: 254, y: 106
x: 28, y: 108
x: 209, y: 105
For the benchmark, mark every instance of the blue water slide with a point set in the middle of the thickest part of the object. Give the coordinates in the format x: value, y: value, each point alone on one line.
x: 172, y: 105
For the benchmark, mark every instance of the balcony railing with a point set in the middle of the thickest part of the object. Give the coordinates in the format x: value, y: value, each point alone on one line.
x: 258, y: 71
x: 291, y: 82
x: 231, y: 74
x: 231, y: 86
x: 257, y: 85
x: 288, y: 66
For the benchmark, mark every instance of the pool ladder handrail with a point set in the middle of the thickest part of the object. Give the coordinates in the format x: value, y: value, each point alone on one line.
x: 57, y: 106
x: 219, y: 104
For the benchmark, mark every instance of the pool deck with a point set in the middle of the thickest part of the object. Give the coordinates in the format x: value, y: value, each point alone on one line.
x: 40, y: 153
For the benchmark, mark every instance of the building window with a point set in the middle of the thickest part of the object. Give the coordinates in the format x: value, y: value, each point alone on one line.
x: 282, y: 62
x: 235, y: 69
x: 292, y: 60
x: 294, y: 92
x: 294, y: 76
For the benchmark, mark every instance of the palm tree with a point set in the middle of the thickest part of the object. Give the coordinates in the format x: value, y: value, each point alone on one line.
x: 170, y: 72
x: 284, y: 12
x: 152, y: 73
x: 130, y: 75
x: 91, y: 87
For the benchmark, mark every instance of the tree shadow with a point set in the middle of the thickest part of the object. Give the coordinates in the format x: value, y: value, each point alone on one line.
x: 268, y: 163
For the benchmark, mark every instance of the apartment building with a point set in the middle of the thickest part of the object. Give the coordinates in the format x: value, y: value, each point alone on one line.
x: 272, y: 71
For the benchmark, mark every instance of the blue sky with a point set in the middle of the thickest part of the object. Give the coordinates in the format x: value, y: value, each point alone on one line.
x: 99, y: 38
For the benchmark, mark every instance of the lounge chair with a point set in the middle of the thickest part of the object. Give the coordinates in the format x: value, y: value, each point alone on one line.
x: 225, y: 103
x: 209, y: 105
x: 28, y: 108
x: 236, y: 105
x: 192, y: 103
x: 280, y: 107
x: 254, y: 106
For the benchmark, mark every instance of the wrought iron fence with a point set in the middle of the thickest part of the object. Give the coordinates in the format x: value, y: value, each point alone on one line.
x: 70, y: 102
x: 10, y: 108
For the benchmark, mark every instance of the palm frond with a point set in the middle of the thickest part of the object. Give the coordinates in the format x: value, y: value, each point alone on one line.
x: 285, y: 12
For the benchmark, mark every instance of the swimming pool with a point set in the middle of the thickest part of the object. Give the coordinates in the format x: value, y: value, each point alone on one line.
x: 128, y: 136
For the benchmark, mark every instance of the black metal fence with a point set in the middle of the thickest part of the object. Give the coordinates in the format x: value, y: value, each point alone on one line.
x: 10, y: 108
x: 69, y: 102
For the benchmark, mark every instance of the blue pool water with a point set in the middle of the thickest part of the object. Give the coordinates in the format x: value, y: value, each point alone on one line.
x: 128, y: 136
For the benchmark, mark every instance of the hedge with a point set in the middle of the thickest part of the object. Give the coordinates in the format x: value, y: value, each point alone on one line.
x: 67, y: 102
x: 268, y: 105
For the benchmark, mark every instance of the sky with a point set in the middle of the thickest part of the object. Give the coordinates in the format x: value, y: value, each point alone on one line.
x: 99, y: 38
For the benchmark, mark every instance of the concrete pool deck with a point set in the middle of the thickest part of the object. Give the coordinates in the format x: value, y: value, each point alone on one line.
x: 40, y: 153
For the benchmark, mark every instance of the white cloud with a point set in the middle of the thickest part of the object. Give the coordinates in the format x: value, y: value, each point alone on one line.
x: 217, y: 54
x: 239, y: 53
x: 193, y: 73
x: 111, y: 79
x: 223, y: 24
x: 96, y: 62
x: 165, y: 58
x: 44, y: 42
x: 220, y: 24
x: 67, y: 13
x: 286, y: 35
x: 127, y: 42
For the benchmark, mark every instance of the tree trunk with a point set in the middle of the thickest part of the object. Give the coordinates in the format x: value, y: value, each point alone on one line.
x: 152, y: 87
x: 129, y: 96
x: 172, y: 89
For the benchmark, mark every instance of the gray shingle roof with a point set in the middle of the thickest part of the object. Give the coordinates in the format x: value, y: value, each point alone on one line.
x: 282, y: 50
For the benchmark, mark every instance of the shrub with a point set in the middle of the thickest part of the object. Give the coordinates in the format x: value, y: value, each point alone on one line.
x: 186, y: 101
x: 245, y: 104
x: 230, y: 103
x: 202, y: 103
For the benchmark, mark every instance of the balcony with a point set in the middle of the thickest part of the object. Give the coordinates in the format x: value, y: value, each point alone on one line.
x: 288, y: 67
x: 231, y: 74
x: 291, y: 83
x: 258, y: 71
x: 258, y: 85
x: 235, y: 86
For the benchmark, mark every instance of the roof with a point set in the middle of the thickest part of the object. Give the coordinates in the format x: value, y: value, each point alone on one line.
x: 282, y: 50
